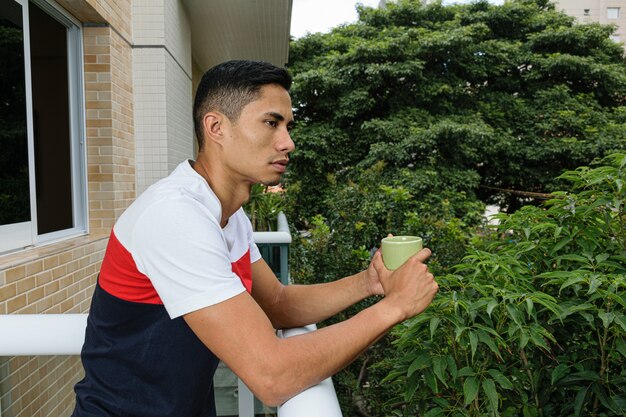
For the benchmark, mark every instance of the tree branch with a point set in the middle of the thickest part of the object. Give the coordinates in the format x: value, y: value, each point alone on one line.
x: 531, y: 194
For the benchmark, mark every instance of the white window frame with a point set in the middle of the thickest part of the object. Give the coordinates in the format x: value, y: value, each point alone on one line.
x: 21, y: 235
x: 616, y: 10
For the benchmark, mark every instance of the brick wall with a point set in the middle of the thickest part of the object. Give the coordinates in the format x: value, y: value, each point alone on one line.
x: 110, y: 146
x: 59, y: 277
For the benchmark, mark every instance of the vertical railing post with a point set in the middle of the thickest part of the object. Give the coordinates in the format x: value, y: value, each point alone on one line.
x: 245, y: 400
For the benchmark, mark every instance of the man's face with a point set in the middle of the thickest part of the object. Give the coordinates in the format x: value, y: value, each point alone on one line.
x: 258, y: 144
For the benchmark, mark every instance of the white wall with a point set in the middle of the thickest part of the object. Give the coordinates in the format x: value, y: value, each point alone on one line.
x: 162, y: 88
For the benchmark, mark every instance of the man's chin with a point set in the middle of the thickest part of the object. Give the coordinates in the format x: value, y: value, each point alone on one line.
x: 271, y: 183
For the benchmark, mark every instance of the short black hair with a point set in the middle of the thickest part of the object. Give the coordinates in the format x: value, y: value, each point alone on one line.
x: 229, y: 86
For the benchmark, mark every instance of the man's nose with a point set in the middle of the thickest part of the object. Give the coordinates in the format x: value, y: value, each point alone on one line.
x: 286, y: 144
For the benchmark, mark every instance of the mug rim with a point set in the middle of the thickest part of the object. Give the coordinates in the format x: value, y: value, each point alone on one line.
x: 401, y: 239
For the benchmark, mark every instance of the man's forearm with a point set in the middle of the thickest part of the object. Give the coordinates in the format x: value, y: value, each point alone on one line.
x: 305, y: 360
x: 299, y: 305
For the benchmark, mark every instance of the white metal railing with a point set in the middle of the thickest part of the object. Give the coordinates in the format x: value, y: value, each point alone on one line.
x: 319, y: 400
x: 63, y: 334
x: 281, y: 236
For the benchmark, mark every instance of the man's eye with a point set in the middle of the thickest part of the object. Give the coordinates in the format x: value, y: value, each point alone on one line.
x: 272, y: 123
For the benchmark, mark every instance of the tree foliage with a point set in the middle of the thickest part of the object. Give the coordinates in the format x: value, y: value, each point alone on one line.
x: 504, y: 96
x: 531, y: 322
x: 409, y: 121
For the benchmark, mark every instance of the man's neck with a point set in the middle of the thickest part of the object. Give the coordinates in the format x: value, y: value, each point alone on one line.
x: 230, y: 194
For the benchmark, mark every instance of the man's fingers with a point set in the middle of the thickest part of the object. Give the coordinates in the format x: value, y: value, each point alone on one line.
x: 423, y: 255
x: 377, y: 261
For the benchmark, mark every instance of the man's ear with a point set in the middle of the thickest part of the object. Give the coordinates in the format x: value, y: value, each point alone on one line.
x: 213, y: 123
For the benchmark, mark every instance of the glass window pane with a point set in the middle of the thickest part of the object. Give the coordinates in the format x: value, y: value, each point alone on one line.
x: 14, y: 185
x: 51, y: 121
x: 612, y: 12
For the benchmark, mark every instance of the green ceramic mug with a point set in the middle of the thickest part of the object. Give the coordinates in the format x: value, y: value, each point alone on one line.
x: 397, y: 249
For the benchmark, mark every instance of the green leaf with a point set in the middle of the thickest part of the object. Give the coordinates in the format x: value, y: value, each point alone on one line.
x: 473, y: 342
x: 572, y: 281
x: 489, y: 388
x: 594, y: 284
x: 439, y: 367
x: 514, y: 314
x: 490, y: 306
x: 452, y: 366
x: 421, y: 361
x: 467, y: 371
x: 573, y: 257
x: 484, y: 338
x: 621, y: 320
x: 579, y: 401
x: 571, y: 309
x: 411, y: 387
x: 524, y: 337
x: 601, y: 395
x: 587, y: 376
x: 499, y: 377
x: 606, y: 317
x: 602, y: 257
x: 431, y: 382
x: 559, y: 372
x: 529, y: 307
x: 620, y: 346
x: 560, y: 245
x: 470, y: 389
x: 434, y: 412
x: 434, y: 323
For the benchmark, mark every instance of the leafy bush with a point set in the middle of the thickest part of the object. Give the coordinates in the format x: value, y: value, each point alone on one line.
x: 531, y: 322
x: 263, y: 207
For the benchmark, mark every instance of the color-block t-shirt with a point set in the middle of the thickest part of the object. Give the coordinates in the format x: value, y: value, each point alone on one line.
x: 167, y: 256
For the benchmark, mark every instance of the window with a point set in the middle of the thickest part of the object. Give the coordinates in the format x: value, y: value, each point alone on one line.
x: 615, y: 38
x: 586, y: 12
x: 42, y: 155
x: 612, y: 13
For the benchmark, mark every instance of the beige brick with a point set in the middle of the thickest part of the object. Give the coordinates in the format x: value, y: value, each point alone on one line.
x: 14, y: 274
x: 8, y: 291
x: 33, y: 268
x: 26, y: 284
x: 35, y: 295
x: 44, y: 277
x: 65, y: 257
x: 16, y: 303
x: 50, y: 262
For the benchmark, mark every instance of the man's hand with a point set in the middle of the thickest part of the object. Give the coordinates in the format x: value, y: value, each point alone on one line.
x: 372, y: 281
x: 410, y: 288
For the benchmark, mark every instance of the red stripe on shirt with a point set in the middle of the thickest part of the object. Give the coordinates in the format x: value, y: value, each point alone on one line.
x: 243, y: 269
x: 120, y: 277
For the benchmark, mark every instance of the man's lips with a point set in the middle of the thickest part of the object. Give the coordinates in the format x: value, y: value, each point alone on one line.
x: 280, y: 165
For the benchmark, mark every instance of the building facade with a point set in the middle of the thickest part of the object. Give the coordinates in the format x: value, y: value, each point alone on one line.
x: 96, y: 106
x: 601, y: 11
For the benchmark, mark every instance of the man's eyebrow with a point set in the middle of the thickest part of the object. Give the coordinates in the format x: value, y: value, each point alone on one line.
x: 279, y: 117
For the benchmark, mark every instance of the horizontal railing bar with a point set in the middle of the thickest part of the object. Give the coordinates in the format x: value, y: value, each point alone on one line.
x: 42, y: 334
x: 319, y: 400
x: 281, y: 236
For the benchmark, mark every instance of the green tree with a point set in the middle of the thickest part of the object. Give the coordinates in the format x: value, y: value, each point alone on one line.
x: 408, y: 122
x: 499, y: 96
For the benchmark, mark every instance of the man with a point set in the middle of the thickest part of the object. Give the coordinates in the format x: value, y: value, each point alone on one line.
x: 182, y: 282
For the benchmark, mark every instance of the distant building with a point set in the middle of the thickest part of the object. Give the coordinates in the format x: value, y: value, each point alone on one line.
x: 601, y: 11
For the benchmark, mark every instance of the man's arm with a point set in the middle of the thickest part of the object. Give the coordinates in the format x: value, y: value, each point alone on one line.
x: 239, y: 332
x: 300, y: 305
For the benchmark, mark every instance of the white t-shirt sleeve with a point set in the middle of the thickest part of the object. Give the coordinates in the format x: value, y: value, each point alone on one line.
x: 255, y: 254
x: 180, y: 246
